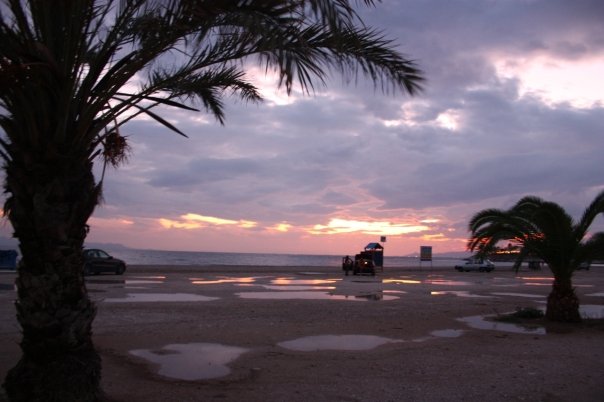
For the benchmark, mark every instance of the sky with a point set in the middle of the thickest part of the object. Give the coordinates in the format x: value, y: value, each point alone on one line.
x: 513, y: 106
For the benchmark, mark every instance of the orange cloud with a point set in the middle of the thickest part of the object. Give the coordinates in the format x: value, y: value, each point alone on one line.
x: 281, y: 227
x: 109, y: 222
x: 383, y: 228
x: 195, y: 221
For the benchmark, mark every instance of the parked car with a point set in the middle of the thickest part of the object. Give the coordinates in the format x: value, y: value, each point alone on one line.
x: 476, y: 264
x: 584, y: 265
x: 97, y: 261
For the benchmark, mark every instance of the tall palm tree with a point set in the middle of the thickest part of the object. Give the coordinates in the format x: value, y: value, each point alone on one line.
x: 64, y: 66
x: 545, y: 230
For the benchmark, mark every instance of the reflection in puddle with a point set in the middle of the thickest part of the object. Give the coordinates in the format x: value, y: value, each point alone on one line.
x: 290, y: 281
x: 310, y: 295
x: 141, y: 282
x: 446, y: 282
x: 244, y: 280
x: 402, y: 281
x: 447, y: 333
x: 160, y: 297
x: 480, y: 322
x: 517, y: 294
x: 285, y: 288
x: 591, y: 311
x: 193, y: 361
x: 441, y: 333
x: 162, y: 277
x: 337, y: 342
x: 460, y: 293
x: 537, y: 278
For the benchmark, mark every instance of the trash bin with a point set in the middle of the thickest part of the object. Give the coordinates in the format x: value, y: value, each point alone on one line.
x: 8, y: 259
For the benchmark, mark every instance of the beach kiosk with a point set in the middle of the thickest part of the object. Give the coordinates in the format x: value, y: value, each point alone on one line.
x: 376, y: 251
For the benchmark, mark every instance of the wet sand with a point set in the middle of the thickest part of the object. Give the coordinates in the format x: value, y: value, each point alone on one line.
x: 311, y: 333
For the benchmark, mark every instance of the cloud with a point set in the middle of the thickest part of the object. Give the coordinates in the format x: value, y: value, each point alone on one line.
x: 513, y: 106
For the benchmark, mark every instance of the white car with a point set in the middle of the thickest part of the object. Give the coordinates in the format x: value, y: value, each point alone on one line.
x: 476, y: 264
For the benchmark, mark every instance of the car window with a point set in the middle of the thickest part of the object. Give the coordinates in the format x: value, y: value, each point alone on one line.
x: 102, y: 254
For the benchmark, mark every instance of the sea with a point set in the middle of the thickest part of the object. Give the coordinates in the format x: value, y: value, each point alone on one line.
x: 162, y: 257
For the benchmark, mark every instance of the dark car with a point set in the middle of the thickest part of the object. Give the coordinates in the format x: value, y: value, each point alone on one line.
x: 97, y: 261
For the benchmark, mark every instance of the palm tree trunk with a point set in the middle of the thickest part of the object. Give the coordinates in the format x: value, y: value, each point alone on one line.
x: 562, y: 302
x: 48, y: 207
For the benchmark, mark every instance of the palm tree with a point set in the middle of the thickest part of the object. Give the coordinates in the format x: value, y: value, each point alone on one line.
x: 64, y: 66
x: 545, y: 230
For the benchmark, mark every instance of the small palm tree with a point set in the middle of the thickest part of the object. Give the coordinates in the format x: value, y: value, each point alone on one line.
x: 73, y: 72
x: 545, y: 230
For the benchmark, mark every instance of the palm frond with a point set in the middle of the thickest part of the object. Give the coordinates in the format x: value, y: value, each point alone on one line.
x: 595, y: 208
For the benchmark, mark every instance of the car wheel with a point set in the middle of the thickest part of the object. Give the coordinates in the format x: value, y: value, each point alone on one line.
x: 87, y: 270
x: 120, y: 270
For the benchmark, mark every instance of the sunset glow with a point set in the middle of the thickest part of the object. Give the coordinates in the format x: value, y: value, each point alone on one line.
x: 368, y: 227
x: 196, y: 221
x: 512, y: 106
x: 554, y: 80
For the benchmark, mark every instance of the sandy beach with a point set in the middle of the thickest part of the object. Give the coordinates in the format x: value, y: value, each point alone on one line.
x: 241, y: 333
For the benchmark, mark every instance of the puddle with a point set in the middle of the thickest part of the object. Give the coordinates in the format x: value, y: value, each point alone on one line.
x: 460, y: 293
x: 517, y: 294
x: 142, y: 282
x: 161, y: 277
x: 160, y: 297
x: 311, y: 295
x: 446, y: 282
x: 480, y: 322
x: 394, y: 291
x: 245, y: 280
x: 289, y: 281
x: 537, y: 278
x: 336, y: 342
x: 591, y: 311
x: 286, y: 288
x: 192, y: 361
x: 402, y: 281
x: 447, y: 333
